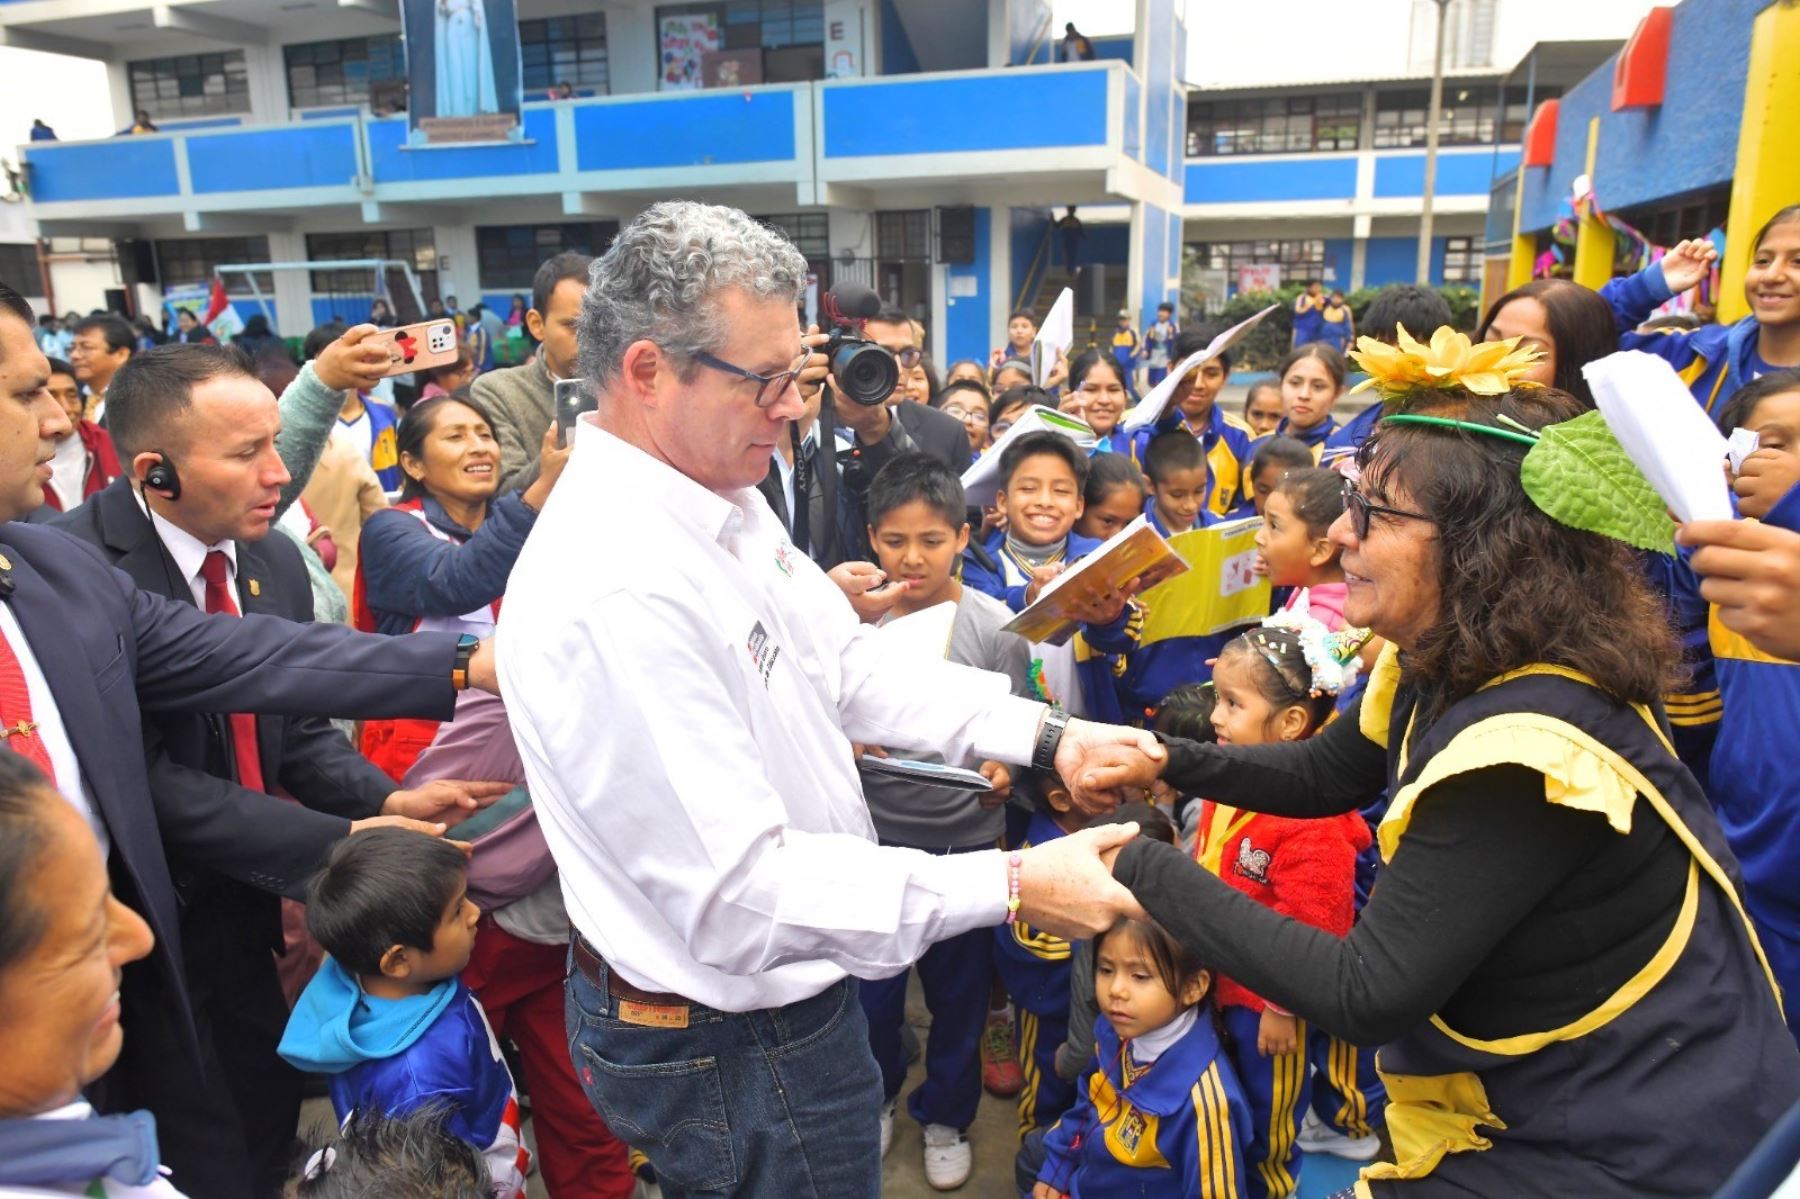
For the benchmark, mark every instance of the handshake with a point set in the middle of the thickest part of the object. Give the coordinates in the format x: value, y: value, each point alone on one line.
x: 1066, y: 886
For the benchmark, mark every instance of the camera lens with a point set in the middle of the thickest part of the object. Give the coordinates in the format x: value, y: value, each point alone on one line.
x: 865, y: 372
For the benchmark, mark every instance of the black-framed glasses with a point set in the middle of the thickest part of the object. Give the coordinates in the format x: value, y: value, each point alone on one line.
x: 1360, y: 510
x: 909, y: 357
x: 769, y: 388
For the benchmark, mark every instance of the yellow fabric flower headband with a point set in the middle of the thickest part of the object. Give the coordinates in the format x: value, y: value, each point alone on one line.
x: 1449, y: 363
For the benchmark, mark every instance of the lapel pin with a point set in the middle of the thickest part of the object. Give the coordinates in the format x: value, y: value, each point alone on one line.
x: 255, y: 588
x: 5, y: 562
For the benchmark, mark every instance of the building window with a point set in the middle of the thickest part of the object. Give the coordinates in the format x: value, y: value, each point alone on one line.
x: 509, y: 255
x: 1694, y: 216
x: 1274, y: 124
x: 903, y: 235
x: 568, y: 50
x: 415, y: 246
x: 789, y: 33
x: 341, y: 72
x: 1462, y: 260
x: 809, y: 231
x: 19, y: 269
x: 1299, y: 259
x: 190, y: 85
x: 182, y: 262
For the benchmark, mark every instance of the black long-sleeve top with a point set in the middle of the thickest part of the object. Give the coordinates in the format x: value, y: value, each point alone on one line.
x: 1500, y: 911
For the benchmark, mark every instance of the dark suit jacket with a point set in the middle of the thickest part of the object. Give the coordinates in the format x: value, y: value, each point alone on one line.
x: 110, y: 651
x: 936, y: 433
x: 208, y: 822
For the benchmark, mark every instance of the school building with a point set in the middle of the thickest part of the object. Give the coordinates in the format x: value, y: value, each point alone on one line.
x: 1689, y: 130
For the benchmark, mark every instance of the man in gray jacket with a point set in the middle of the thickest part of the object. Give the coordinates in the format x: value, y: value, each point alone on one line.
x: 521, y: 400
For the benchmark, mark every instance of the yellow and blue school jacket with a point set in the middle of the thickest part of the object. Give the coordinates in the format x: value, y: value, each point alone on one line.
x: 1348, y: 437
x: 1152, y: 671
x: 1099, y: 648
x: 1335, y: 325
x: 1309, y: 318
x: 1174, y: 1128
x: 1226, y: 440
x: 1125, y: 349
x: 384, y: 451
x: 1753, y: 785
x: 1315, y: 438
x: 1713, y: 360
x: 1034, y: 964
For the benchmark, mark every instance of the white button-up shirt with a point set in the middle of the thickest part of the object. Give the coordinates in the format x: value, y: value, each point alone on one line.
x: 190, y: 553
x: 684, y: 685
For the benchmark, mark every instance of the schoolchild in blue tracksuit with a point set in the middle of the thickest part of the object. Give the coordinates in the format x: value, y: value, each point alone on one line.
x: 1034, y: 967
x: 387, y: 1018
x: 1226, y: 439
x: 1715, y: 360
x: 1042, y: 481
x: 1162, y: 1115
x: 1753, y: 787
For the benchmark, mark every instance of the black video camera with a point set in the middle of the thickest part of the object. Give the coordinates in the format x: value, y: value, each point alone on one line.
x: 863, y: 371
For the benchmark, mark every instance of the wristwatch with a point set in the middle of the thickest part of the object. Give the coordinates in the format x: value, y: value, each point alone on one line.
x: 1050, y: 735
x: 465, y: 650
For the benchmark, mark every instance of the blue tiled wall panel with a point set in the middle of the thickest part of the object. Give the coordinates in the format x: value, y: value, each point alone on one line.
x: 1395, y: 259
x: 349, y: 309
x: 1466, y: 174
x: 966, y: 317
x: 1023, y: 111
x: 686, y: 132
x: 1109, y: 244
x: 1687, y: 143
x: 124, y: 168
x: 265, y: 159
x: 1390, y: 260
x: 392, y: 162
x: 1028, y: 226
x: 1338, y: 252
x: 1154, y: 230
x: 1159, y: 90
x: 1222, y: 181
x: 328, y: 114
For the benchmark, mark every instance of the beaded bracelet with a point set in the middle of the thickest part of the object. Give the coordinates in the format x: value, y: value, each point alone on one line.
x: 1013, y: 862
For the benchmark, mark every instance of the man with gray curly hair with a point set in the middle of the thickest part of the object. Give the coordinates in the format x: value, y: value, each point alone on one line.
x: 685, y: 687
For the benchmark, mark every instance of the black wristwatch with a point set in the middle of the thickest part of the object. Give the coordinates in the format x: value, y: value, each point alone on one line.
x: 1050, y: 735
x: 465, y: 650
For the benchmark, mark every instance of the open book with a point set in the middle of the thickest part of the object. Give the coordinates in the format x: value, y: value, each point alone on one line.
x: 1150, y: 409
x: 1136, y: 551
x: 981, y: 482
x: 1220, y: 590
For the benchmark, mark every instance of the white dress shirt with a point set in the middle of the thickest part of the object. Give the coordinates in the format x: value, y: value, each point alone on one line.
x: 50, y: 729
x: 684, y: 685
x: 68, y: 470
x: 190, y: 553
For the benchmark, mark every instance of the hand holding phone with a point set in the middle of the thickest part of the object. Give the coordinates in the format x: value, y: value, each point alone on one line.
x: 573, y: 397
x: 417, y: 347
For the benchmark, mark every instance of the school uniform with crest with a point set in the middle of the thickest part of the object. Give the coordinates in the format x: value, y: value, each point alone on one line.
x: 241, y: 847
x: 1304, y: 869
x: 1162, y: 1116
x: 1079, y: 675
x: 1034, y: 966
x: 1226, y: 440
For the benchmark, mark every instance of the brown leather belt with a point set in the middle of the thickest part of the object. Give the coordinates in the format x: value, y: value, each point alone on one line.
x: 588, y: 961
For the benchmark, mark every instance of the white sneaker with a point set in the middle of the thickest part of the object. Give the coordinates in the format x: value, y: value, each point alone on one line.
x: 1316, y: 1136
x: 948, y: 1157
x: 887, y: 1126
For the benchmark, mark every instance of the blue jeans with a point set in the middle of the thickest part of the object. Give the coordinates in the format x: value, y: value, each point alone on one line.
x: 782, y: 1103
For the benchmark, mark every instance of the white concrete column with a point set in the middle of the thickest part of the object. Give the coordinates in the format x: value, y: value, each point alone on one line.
x: 1359, y: 251
x: 293, y: 289
x: 463, y: 278
x: 631, y: 49
x: 1000, y: 273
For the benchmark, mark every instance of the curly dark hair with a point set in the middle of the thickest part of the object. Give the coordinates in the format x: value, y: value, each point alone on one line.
x: 1515, y: 587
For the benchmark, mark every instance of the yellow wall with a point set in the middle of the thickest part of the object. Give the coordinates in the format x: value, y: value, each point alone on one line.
x: 1593, y: 236
x: 1768, y: 156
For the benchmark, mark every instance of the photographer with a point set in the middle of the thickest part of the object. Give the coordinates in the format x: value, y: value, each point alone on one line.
x: 862, y: 434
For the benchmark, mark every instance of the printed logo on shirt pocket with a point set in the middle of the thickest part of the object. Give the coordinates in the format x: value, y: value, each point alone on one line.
x: 763, y: 652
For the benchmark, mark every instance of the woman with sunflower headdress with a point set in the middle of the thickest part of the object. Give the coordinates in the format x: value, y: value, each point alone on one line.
x: 1557, y: 962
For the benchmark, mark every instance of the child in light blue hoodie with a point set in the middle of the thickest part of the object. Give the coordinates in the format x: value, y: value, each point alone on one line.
x: 387, y: 1017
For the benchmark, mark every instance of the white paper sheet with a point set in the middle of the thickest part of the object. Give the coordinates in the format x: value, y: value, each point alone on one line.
x: 982, y: 480
x: 1654, y: 416
x: 1740, y: 445
x: 1150, y: 409
x: 1056, y: 334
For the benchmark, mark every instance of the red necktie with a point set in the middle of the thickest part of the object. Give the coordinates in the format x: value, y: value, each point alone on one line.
x: 21, y: 732
x: 243, y: 724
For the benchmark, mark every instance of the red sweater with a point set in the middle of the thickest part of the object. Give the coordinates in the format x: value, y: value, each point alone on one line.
x: 1303, y: 869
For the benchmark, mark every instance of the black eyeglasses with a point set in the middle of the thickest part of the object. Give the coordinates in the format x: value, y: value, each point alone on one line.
x: 1360, y: 510
x: 909, y: 358
x: 769, y: 388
